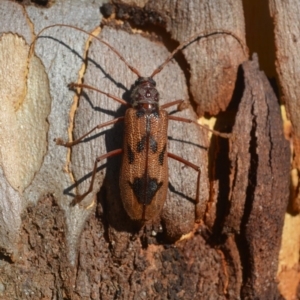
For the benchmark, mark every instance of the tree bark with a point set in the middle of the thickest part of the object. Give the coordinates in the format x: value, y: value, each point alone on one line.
x: 51, y: 250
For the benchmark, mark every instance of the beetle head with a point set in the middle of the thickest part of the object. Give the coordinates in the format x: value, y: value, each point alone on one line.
x: 144, y: 93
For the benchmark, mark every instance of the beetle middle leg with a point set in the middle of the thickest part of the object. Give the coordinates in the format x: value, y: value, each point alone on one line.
x: 60, y: 142
x: 181, y: 106
x: 185, y: 120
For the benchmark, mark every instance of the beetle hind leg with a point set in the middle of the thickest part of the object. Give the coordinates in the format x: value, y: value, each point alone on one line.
x: 196, y: 168
x: 79, y: 198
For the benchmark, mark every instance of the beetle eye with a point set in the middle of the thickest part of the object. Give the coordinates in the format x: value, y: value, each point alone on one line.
x: 153, y: 82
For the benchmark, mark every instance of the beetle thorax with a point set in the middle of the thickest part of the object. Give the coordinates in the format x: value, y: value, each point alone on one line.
x: 144, y: 94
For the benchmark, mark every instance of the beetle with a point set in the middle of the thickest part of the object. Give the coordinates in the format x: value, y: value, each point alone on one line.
x: 144, y: 169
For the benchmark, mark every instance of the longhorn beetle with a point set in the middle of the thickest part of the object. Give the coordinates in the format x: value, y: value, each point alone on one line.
x: 144, y: 170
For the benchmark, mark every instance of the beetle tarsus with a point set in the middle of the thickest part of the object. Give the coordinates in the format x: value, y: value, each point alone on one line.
x: 77, y: 199
x: 60, y: 142
x: 71, y: 85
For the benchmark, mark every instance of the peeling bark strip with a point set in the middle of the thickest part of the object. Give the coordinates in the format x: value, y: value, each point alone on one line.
x: 260, y: 184
x: 286, y: 23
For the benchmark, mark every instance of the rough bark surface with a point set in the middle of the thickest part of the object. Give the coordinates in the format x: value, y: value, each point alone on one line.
x: 50, y: 250
x: 287, y: 36
x: 286, y: 39
x: 258, y: 201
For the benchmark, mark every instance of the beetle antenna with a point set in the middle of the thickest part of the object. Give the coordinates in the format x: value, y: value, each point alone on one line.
x: 133, y: 69
x: 194, y: 38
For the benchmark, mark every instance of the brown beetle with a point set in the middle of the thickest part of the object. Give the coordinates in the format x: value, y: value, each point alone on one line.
x: 144, y: 167
x: 144, y: 171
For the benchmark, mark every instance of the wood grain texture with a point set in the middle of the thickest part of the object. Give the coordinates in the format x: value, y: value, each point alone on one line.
x: 50, y: 90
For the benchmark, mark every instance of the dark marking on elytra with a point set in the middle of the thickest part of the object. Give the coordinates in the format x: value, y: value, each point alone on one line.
x: 153, y: 144
x: 141, y: 144
x: 130, y: 154
x: 140, y: 113
x: 162, y: 155
x: 145, y: 196
x: 155, y: 114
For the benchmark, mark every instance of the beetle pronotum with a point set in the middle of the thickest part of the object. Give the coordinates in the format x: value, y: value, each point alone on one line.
x: 144, y: 170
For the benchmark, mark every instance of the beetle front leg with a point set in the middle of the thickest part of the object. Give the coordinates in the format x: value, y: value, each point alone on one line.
x: 178, y: 102
x: 196, y: 168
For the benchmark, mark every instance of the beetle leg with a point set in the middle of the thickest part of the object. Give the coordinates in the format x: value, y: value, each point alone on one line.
x: 180, y: 119
x: 71, y: 144
x: 196, y: 168
x: 79, y: 198
x: 72, y: 85
x: 169, y: 104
